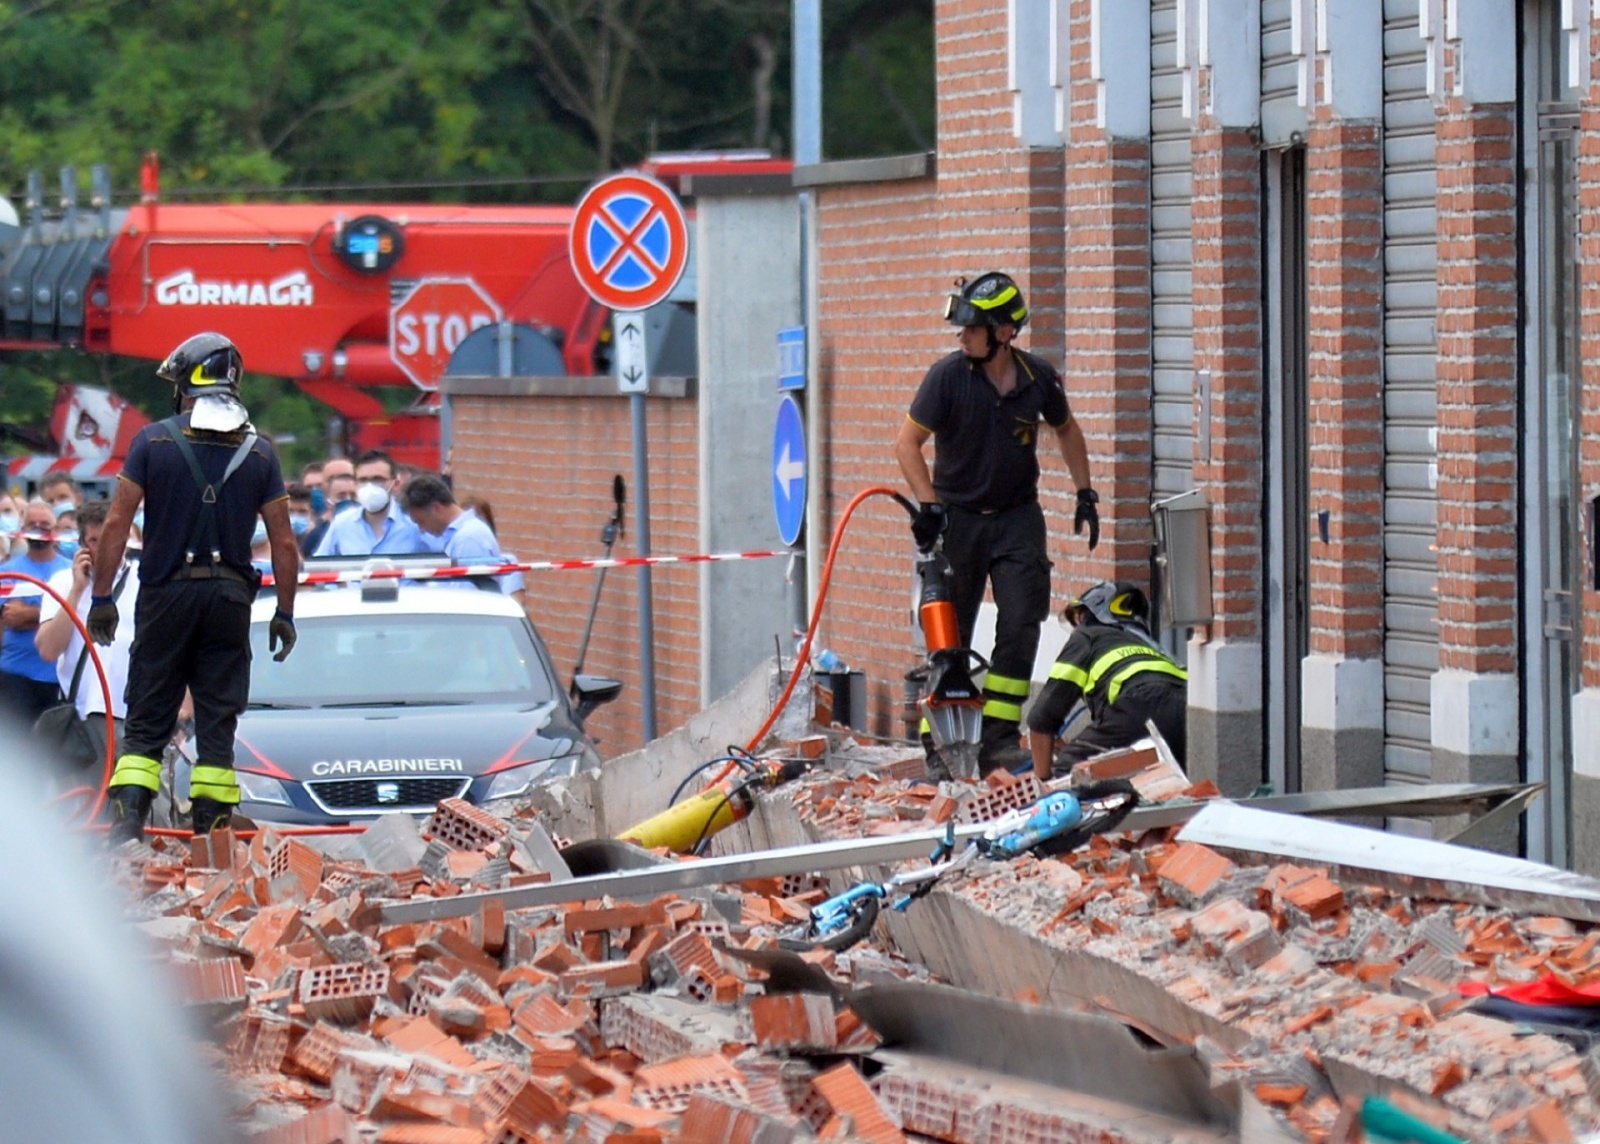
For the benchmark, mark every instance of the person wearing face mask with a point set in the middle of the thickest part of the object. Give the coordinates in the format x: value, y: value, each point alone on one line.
x: 10, y: 524
x: 61, y: 493
x: 301, y: 516
x: 380, y: 528
x: 27, y: 680
x: 339, y: 498
x: 66, y: 531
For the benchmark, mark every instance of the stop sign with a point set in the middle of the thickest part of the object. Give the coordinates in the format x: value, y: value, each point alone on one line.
x: 435, y: 317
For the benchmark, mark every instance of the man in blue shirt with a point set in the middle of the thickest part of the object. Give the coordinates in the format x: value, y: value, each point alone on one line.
x: 27, y: 681
x: 447, y: 527
x: 379, y: 527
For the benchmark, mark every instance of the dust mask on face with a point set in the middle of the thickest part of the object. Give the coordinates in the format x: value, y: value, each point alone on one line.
x: 372, y: 497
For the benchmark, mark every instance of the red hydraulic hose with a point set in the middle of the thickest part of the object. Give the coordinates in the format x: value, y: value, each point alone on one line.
x: 802, y: 657
x: 105, y: 691
x: 111, y: 739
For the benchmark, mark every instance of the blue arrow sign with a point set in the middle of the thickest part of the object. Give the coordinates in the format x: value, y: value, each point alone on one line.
x: 789, y: 469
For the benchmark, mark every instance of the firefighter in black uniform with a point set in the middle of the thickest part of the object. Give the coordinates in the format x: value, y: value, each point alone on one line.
x: 1113, y: 664
x: 204, y: 476
x: 984, y: 406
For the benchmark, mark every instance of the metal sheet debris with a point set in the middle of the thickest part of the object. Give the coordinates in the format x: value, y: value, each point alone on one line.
x: 1415, y: 866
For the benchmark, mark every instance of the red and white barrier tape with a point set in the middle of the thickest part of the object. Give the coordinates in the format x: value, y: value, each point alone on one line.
x: 459, y: 571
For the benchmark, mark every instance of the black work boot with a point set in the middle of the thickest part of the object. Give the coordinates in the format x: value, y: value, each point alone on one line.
x: 207, y: 814
x: 130, y: 807
x: 1001, y: 748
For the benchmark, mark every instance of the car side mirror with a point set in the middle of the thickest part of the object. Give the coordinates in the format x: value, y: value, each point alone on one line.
x: 590, y: 691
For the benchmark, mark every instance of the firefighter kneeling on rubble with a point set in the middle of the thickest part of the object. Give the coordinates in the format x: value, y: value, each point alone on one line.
x: 1122, y: 675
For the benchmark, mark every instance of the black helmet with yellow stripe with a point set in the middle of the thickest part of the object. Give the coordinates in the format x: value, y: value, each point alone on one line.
x: 204, y: 365
x: 991, y: 299
x: 1114, y: 603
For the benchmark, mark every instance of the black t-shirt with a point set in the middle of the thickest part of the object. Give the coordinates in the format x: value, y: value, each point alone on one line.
x: 172, y: 499
x: 985, y: 446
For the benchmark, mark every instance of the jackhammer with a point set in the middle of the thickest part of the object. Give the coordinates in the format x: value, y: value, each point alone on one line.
x: 951, y: 703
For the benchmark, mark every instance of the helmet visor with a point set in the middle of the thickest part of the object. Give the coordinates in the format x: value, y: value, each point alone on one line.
x: 960, y: 312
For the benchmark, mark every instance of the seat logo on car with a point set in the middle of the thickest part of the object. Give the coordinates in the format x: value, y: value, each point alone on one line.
x: 388, y: 792
x: 326, y: 767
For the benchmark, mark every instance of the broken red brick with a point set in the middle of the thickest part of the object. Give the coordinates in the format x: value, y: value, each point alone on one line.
x: 669, y: 1085
x: 1447, y: 1076
x: 1318, y: 897
x: 344, y: 993
x: 212, y: 981
x: 603, y: 978
x: 1270, y: 1093
x: 840, y: 1093
x: 794, y: 1021
x: 1192, y: 871
x: 1548, y: 1124
x: 614, y: 918
x: 462, y: 826
x: 1303, y: 1022
x: 273, y: 927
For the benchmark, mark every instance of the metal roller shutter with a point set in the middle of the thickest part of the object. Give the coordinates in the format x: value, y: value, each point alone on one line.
x: 1281, y: 113
x: 1171, y: 257
x: 1410, y: 569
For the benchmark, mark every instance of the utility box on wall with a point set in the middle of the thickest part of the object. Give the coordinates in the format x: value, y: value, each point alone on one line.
x: 1183, y: 559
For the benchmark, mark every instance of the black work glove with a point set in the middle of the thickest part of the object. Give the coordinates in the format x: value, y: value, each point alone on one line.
x: 102, y: 620
x: 1087, y: 514
x: 929, y: 524
x: 280, y: 631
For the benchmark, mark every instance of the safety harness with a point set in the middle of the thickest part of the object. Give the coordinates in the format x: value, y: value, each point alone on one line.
x: 204, y: 537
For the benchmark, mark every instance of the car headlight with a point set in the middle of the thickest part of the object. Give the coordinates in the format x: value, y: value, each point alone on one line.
x: 515, y: 781
x: 261, y: 788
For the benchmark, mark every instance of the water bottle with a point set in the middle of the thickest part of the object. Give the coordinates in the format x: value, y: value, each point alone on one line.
x: 827, y: 662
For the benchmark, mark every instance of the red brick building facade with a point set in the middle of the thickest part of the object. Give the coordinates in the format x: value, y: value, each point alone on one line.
x: 1331, y: 264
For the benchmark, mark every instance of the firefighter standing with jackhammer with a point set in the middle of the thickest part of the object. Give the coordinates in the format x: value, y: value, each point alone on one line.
x: 983, y: 406
x: 204, y: 476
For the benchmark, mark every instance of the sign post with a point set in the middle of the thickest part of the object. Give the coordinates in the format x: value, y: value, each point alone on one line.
x: 629, y: 245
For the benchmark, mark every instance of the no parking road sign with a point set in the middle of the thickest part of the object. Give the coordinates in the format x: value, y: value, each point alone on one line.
x: 629, y: 242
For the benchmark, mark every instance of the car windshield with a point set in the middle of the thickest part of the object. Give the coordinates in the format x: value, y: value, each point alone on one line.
x: 401, y: 660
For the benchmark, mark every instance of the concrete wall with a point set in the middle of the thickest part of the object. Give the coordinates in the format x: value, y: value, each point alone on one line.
x: 748, y: 247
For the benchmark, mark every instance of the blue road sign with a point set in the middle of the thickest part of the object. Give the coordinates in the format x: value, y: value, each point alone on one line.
x: 789, y: 469
x: 792, y: 358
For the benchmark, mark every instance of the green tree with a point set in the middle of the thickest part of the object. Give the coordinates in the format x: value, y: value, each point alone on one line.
x: 385, y: 100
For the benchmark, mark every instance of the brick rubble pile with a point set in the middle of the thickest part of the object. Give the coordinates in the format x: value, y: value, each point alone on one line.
x: 597, y: 1021
x: 1310, y: 977
x: 614, y: 1021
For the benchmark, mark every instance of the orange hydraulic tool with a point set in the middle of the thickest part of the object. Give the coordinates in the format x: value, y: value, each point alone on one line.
x: 951, y: 703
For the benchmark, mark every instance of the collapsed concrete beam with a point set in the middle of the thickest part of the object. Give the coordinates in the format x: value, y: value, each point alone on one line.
x: 1080, y: 1052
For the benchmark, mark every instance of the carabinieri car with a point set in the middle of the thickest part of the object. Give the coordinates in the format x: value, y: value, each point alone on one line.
x: 398, y: 696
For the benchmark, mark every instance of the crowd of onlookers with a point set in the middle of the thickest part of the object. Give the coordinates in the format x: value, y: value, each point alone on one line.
x: 339, y: 508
